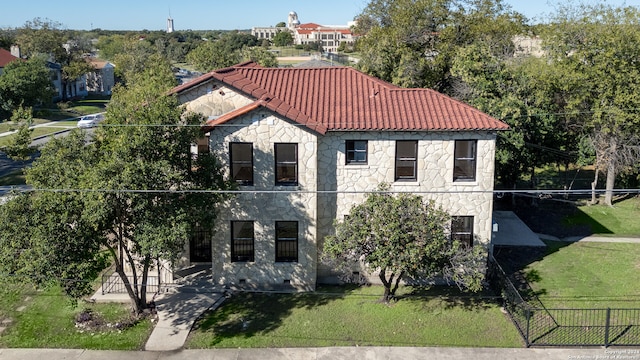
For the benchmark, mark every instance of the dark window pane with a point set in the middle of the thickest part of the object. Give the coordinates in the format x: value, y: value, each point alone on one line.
x: 286, y: 164
x: 241, y: 157
x: 356, y: 151
x: 462, y: 229
x: 406, y: 160
x: 465, y: 160
x: 242, y: 240
x: 286, y: 241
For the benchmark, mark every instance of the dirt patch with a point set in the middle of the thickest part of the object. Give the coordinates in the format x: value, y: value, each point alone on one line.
x: 89, y: 321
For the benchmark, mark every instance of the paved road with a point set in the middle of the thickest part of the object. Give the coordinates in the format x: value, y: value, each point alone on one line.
x: 8, y: 165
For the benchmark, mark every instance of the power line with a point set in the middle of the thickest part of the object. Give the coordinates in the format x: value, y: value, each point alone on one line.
x: 320, y: 192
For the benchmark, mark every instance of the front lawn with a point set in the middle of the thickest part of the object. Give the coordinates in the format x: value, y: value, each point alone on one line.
x: 47, y: 319
x: 587, y: 275
x: 348, y: 316
x: 619, y: 220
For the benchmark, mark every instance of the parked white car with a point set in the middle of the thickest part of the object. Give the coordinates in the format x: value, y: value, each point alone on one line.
x: 89, y: 121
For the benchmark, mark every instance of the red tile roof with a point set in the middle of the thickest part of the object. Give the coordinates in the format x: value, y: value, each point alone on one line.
x: 344, y: 99
x: 6, y: 57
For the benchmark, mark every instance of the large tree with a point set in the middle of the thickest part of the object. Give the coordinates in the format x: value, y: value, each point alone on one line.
x: 402, y: 236
x: 19, y: 147
x: 523, y: 92
x: 283, y: 38
x: 25, y: 83
x: 44, y: 37
x: 133, y: 195
x: 595, y: 51
x: 411, y: 42
x: 212, y: 55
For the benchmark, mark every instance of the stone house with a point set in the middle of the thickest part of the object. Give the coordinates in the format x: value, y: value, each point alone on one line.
x: 306, y: 144
x: 102, y: 79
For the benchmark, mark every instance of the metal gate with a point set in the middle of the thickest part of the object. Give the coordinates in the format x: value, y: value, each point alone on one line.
x: 200, y: 247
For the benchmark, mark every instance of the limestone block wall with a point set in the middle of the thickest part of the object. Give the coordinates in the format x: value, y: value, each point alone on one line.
x: 213, y: 99
x: 435, y: 162
x: 268, y: 204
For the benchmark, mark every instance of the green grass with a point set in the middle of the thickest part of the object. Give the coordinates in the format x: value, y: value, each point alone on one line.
x: 341, y: 316
x: 48, y: 321
x: 587, y: 275
x: 43, y: 130
x: 619, y: 220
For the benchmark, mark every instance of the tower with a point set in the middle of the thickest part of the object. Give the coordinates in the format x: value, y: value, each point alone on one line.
x: 293, y: 20
x: 170, y: 25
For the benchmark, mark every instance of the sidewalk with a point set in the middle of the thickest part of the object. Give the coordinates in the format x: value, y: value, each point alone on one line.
x: 592, y: 238
x: 331, y: 353
x: 178, y: 308
x: 49, y: 124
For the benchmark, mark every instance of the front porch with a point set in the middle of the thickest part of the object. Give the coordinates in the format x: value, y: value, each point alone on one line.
x: 194, y: 278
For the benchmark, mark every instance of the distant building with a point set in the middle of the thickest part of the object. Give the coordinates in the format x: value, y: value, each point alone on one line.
x: 5, y: 58
x: 102, y: 80
x: 528, y: 46
x: 170, y: 28
x: 331, y: 36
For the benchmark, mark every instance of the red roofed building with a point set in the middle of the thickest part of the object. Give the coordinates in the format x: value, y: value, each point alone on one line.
x: 5, y: 58
x: 305, y: 145
x: 330, y: 36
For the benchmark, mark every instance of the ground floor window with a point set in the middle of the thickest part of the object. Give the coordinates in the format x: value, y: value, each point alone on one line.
x: 242, y: 238
x: 286, y: 241
x: 462, y: 229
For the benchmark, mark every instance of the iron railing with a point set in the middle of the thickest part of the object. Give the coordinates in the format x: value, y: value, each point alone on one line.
x: 540, y: 326
x: 113, y: 284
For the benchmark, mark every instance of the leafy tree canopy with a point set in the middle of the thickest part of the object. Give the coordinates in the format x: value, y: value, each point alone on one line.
x: 411, y: 43
x: 402, y: 235
x: 25, y: 83
x: 129, y: 191
x: 283, y: 38
x: 19, y: 147
x: 594, y: 50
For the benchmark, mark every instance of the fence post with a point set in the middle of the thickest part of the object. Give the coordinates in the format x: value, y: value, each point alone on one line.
x: 606, y: 328
x: 526, y: 339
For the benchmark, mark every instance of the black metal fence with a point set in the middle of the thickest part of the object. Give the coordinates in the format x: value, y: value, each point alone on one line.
x: 540, y: 326
x: 113, y: 284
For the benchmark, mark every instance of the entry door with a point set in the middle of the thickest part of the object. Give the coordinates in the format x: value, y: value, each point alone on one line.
x: 200, y: 247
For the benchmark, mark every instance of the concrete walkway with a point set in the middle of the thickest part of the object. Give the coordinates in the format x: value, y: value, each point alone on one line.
x: 176, y: 315
x: 512, y: 231
x: 331, y: 353
x: 177, y: 309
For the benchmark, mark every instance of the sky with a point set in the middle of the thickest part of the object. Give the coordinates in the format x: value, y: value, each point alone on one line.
x: 208, y: 15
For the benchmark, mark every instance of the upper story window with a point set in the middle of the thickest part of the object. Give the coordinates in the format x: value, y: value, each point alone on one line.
x: 241, y: 159
x: 462, y: 229
x: 406, y: 160
x: 465, y: 158
x: 242, y: 239
x: 286, y: 241
x: 356, y: 151
x: 286, y: 155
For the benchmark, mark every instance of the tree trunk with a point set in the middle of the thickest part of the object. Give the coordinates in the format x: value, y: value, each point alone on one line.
x: 611, y: 173
x: 386, y: 297
x: 144, y: 282
x: 594, y: 199
x: 395, y: 286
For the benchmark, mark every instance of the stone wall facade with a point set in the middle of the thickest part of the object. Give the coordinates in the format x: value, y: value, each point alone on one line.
x: 327, y: 187
x: 435, y: 163
x: 268, y: 204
